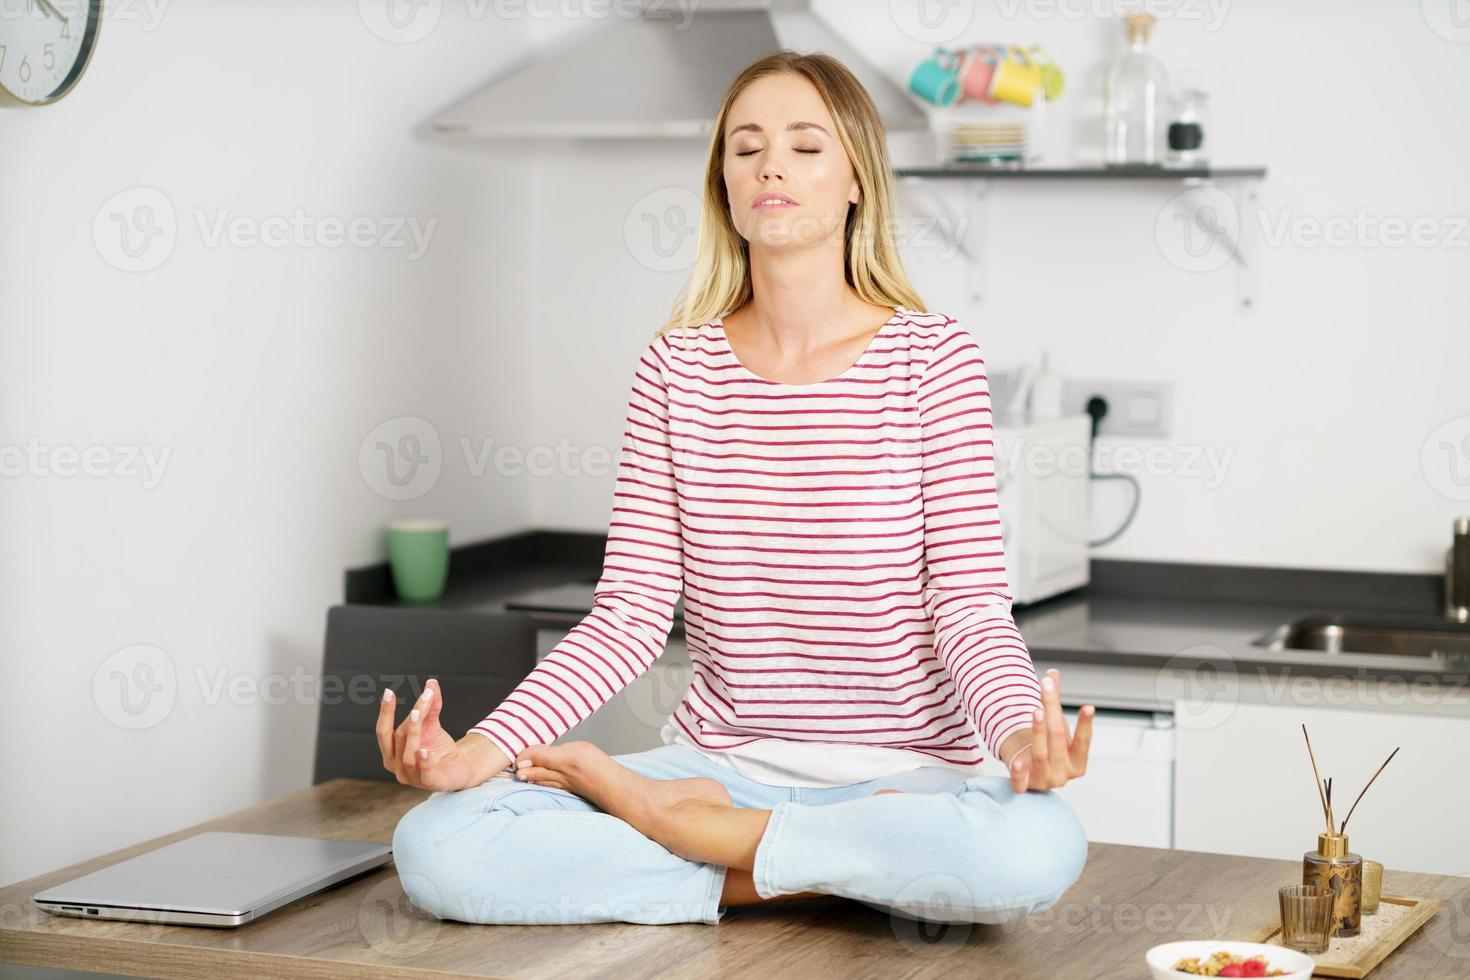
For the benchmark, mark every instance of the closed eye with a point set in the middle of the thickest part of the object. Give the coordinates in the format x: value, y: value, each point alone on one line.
x: 749, y: 152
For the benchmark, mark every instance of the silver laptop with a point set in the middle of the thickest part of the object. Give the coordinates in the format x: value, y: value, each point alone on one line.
x: 214, y: 878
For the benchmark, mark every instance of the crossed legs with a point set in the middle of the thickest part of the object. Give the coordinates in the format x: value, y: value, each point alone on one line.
x: 693, y: 818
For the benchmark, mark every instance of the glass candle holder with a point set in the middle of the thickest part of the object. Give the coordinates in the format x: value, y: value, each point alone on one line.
x: 1372, y: 886
x: 1306, y: 917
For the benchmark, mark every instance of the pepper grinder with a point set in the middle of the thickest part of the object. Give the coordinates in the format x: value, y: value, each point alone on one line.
x: 1340, y: 871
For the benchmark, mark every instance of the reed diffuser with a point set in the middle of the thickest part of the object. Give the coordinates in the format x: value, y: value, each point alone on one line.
x: 1332, y: 865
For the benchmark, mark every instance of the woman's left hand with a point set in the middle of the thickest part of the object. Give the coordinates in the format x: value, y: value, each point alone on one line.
x: 1054, y: 756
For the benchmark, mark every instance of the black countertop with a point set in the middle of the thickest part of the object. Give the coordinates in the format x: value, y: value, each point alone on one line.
x: 1131, y: 613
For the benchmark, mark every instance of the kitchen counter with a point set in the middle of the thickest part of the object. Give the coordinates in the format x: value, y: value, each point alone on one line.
x: 1128, y: 640
x: 1127, y: 900
x: 1187, y: 699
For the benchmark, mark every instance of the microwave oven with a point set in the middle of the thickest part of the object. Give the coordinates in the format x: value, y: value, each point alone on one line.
x: 1042, y: 484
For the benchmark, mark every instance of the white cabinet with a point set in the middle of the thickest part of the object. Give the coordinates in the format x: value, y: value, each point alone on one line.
x: 1231, y: 776
x: 1245, y: 783
x: 1127, y: 796
x: 630, y: 720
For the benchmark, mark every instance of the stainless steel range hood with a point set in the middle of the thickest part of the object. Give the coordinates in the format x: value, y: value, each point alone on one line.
x: 660, y: 74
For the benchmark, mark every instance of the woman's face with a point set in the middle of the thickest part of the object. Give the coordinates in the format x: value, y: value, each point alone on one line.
x: 780, y: 140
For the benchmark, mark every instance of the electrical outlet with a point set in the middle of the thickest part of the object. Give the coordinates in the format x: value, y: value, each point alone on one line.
x: 1135, y: 408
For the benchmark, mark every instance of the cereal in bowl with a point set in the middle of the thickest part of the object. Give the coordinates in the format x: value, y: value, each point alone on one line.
x: 1225, y: 964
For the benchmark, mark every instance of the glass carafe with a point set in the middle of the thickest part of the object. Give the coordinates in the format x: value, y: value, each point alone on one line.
x: 1136, y: 101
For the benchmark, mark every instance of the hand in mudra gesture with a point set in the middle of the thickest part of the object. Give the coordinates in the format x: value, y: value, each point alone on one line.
x: 1053, y: 755
x: 419, y: 752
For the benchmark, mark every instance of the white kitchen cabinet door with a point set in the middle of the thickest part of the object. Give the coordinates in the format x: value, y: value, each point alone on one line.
x: 1245, y: 784
x: 1127, y: 794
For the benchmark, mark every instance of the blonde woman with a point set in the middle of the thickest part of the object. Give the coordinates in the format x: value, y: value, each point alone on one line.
x: 808, y: 460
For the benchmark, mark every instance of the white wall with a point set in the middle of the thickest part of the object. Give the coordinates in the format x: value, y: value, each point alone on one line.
x: 262, y: 370
x: 1316, y: 406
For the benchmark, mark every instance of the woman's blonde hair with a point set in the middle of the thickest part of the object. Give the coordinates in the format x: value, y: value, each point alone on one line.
x: 720, y: 281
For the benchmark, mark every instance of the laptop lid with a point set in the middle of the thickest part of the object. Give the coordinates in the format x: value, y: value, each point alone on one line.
x: 214, y: 878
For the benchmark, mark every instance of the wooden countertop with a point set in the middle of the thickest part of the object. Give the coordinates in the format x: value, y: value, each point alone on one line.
x: 1128, y: 899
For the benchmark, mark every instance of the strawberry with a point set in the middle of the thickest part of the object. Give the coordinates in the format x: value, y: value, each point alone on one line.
x: 1233, y: 970
x: 1254, y: 967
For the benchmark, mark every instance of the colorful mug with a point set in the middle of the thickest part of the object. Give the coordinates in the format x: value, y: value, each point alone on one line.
x: 1052, y: 78
x: 936, y: 79
x: 1017, y: 78
x: 978, y: 70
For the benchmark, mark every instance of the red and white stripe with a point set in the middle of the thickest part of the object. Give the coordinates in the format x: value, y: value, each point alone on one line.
x: 838, y: 546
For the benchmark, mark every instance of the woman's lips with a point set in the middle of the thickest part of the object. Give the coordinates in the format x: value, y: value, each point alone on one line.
x: 774, y: 204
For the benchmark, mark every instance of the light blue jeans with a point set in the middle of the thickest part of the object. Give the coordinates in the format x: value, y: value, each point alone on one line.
x: 948, y: 849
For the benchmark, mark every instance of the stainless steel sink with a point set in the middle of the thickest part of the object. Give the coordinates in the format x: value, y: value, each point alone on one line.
x: 1371, y: 634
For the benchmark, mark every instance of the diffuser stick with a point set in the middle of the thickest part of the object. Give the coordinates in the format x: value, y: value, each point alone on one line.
x: 1326, y: 813
x: 1365, y: 789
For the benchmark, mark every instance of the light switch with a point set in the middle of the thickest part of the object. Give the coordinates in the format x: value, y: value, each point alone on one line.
x: 1145, y: 411
x: 1135, y: 408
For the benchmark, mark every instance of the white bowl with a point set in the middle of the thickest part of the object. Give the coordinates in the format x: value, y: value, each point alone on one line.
x: 1299, y: 966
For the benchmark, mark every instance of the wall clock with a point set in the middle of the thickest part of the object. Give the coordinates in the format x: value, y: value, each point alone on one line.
x: 45, y: 46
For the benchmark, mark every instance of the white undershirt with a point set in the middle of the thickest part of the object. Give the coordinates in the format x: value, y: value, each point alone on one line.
x: 782, y: 762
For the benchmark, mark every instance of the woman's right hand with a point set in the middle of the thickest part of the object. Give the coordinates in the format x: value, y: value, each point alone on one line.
x: 421, y: 753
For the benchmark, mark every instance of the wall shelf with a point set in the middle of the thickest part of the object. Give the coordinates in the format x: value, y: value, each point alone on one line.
x: 972, y: 170
x: 1218, y: 202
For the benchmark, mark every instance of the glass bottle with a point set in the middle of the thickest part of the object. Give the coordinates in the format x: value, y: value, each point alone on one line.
x: 1340, y: 871
x: 1135, y: 101
x: 1189, y: 122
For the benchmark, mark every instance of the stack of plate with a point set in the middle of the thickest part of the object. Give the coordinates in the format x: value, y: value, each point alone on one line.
x: 988, y: 142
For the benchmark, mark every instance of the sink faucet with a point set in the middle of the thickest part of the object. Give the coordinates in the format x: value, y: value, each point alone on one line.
x: 1457, y: 573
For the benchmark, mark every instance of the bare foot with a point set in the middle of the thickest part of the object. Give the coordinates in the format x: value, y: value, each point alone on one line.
x: 647, y: 804
x: 882, y: 791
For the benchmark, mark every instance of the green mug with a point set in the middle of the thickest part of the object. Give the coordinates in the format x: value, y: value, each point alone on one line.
x: 937, y: 78
x: 418, y: 556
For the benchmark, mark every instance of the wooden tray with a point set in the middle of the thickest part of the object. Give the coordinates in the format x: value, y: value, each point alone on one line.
x: 1376, y: 939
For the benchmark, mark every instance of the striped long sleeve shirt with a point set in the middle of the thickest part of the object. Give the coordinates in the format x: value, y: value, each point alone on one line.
x: 838, y: 548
